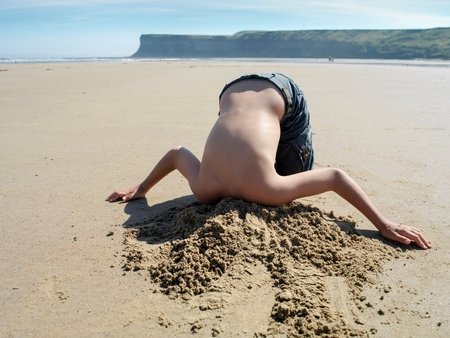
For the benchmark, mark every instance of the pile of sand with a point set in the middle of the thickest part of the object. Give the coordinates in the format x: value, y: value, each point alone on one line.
x: 302, y: 249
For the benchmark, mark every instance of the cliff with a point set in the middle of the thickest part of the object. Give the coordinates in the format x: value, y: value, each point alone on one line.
x: 363, y: 44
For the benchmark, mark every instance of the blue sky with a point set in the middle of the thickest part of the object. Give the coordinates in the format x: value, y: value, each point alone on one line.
x: 77, y: 28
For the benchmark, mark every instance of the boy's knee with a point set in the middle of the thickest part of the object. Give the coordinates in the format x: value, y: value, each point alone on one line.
x: 177, y: 148
x: 336, y: 173
x: 338, y: 176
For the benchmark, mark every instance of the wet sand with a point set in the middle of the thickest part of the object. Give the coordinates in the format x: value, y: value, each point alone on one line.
x: 75, y: 265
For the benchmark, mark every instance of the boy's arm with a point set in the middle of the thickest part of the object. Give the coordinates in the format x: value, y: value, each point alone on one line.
x: 328, y: 179
x: 178, y: 158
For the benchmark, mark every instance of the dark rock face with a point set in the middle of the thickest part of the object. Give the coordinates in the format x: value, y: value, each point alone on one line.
x: 379, y: 44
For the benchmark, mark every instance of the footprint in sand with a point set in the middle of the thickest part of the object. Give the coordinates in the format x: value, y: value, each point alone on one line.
x: 49, y: 286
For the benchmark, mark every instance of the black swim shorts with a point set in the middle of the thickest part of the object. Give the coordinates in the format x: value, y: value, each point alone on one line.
x: 295, y: 152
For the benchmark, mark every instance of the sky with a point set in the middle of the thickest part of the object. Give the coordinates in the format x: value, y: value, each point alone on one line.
x: 111, y: 28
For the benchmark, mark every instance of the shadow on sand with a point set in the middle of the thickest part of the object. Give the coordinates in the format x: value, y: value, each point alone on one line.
x: 141, y: 213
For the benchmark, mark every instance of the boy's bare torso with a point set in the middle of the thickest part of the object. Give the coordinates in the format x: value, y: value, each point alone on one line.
x: 239, y: 154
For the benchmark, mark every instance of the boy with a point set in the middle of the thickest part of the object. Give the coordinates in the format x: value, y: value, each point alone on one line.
x: 260, y: 150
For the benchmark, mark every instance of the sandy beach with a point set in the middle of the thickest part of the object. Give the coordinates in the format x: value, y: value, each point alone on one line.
x: 74, y: 265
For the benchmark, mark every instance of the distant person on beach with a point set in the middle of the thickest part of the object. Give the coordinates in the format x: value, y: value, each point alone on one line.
x: 260, y: 150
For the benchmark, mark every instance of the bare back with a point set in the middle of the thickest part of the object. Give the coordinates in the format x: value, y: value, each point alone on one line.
x: 240, y: 151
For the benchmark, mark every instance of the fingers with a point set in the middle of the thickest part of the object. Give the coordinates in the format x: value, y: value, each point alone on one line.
x: 407, y: 235
x: 113, y: 197
x: 416, y: 239
x: 128, y: 197
x: 399, y: 238
x: 426, y: 241
x: 116, y: 196
x: 415, y: 235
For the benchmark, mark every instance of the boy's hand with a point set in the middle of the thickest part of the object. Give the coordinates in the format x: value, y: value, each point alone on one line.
x: 126, y: 194
x: 405, y: 235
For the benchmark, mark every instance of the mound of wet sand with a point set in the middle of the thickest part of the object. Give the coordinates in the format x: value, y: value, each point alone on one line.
x: 306, y: 253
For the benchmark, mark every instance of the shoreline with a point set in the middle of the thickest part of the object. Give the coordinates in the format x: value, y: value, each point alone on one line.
x: 389, y: 62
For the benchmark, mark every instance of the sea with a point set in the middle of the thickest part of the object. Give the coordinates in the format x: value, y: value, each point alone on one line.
x: 414, y: 62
